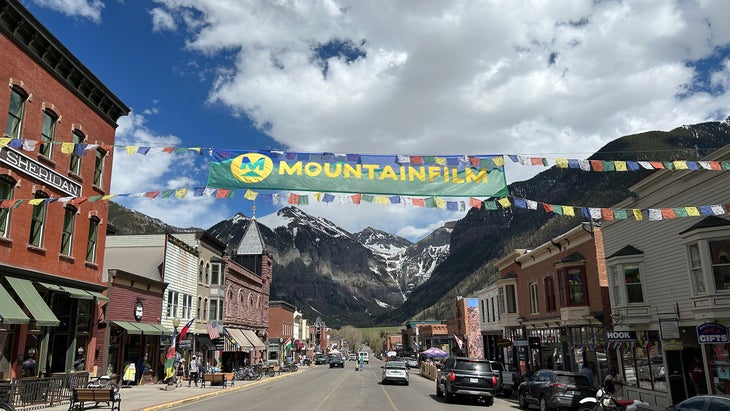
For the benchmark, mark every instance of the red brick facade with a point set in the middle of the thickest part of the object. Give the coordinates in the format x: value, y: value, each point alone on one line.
x: 52, y: 81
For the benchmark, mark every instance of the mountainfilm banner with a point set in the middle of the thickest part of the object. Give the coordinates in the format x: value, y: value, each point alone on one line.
x: 446, y: 176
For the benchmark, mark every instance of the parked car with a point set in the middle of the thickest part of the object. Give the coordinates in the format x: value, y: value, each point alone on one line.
x: 703, y: 403
x: 336, y: 361
x: 507, y: 380
x: 352, y: 356
x: 412, y: 362
x: 320, y: 359
x: 549, y: 389
x: 466, y: 377
x: 395, y: 371
x: 363, y: 356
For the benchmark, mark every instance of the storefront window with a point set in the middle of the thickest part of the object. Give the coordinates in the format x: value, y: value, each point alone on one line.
x: 6, y: 345
x: 643, y: 363
x: 719, y: 367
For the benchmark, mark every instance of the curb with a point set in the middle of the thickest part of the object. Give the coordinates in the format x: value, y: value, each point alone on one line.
x: 222, y: 391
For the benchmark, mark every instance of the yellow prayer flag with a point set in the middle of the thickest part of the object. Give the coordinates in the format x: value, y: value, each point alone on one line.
x: 108, y: 196
x: 181, y: 192
x: 637, y: 214
x: 569, y: 210
x: 382, y: 200
x: 561, y: 162
x: 250, y: 195
x: 36, y: 201
x: 680, y: 165
x: 5, y: 141
x: 498, y: 161
x: 692, y: 211
x: 440, y: 161
x: 620, y: 165
x: 131, y: 149
x: 67, y: 148
x: 195, y: 149
x: 504, y: 202
x: 318, y: 197
x: 440, y: 202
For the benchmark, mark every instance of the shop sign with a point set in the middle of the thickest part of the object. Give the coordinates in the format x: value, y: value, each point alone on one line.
x: 503, y: 342
x: 185, y: 344
x: 138, y: 311
x: 712, y: 333
x: 620, y: 336
x: 669, y: 329
x: 40, y: 172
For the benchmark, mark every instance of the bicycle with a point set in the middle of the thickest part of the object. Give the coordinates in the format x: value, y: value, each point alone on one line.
x: 248, y: 373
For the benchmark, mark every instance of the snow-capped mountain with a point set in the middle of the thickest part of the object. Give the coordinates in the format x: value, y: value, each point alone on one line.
x: 343, y: 277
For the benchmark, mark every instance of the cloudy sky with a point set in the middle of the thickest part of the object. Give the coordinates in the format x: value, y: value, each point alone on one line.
x: 542, y: 78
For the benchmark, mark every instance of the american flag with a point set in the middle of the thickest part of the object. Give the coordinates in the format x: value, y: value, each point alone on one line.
x: 213, y: 332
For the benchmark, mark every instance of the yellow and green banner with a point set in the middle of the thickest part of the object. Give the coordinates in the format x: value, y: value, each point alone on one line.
x: 446, y: 176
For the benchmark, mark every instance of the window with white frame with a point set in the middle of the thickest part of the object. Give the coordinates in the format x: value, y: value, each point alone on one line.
x: 695, y: 270
x: 720, y: 262
x: 215, y: 274
x: 75, y: 165
x: 510, y: 298
x: 172, y: 302
x: 187, y: 305
x: 625, y: 282
x: 213, y: 312
x: 534, y: 308
x: 708, y: 255
x: 67, y: 235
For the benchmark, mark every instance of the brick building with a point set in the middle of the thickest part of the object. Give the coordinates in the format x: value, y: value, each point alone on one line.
x: 248, y: 275
x: 55, y: 152
x: 281, y: 328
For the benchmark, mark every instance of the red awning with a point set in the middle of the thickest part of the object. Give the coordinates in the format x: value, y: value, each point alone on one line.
x: 299, y: 344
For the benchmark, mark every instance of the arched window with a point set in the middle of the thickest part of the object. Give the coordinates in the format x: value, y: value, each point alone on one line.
x: 7, y: 187
x: 69, y: 224
x: 75, y: 166
x: 38, y: 220
x: 207, y: 273
x: 200, y: 305
x: 16, y: 112
x: 48, y: 133
x: 201, y: 267
x: 93, y: 238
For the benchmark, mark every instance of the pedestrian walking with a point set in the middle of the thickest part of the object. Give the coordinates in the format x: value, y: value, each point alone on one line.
x: 193, y: 372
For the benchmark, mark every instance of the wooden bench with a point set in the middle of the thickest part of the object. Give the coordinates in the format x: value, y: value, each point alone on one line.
x: 81, y: 396
x: 214, y: 379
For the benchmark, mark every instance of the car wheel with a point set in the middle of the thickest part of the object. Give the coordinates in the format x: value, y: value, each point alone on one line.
x: 489, y: 401
x: 544, y: 405
x: 523, y: 400
x: 439, y: 393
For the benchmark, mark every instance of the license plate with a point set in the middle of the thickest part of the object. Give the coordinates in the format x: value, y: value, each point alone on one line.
x: 474, y: 380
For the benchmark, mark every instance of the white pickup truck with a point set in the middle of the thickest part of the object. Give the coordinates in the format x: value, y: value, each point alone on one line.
x: 508, y: 380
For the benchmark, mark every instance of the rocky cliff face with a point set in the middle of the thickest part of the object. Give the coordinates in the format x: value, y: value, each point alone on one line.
x: 342, y: 277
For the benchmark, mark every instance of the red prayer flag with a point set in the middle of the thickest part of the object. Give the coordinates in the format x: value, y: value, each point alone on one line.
x: 418, y: 202
x: 152, y: 194
x: 597, y: 165
x: 356, y: 198
x: 475, y: 202
x: 548, y: 207
x: 536, y: 161
x: 668, y: 213
x: 607, y: 214
x: 657, y: 165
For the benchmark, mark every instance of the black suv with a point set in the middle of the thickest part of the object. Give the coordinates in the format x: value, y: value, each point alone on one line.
x: 551, y: 389
x: 466, y: 377
x: 336, y: 361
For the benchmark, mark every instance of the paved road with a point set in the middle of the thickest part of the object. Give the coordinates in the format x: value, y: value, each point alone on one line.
x: 325, y: 389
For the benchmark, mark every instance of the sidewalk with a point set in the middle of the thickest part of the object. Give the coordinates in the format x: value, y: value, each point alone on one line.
x: 153, y: 397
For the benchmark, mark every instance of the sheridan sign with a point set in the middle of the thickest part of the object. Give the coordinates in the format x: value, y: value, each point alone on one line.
x: 27, y: 165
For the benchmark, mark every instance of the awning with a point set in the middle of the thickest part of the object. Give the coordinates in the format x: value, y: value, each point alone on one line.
x: 254, y: 339
x: 38, y: 308
x: 163, y: 330
x: 75, y: 292
x: 205, y: 343
x: 148, y: 329
x: 10, y: 312
x: 240, y: 342
x: 128, y: 326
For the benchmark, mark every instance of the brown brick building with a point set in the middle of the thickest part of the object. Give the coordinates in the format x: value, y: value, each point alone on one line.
x: 55, y: 152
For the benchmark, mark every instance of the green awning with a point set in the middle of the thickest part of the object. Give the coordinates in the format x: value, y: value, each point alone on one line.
x: 163, y: 330
x: 51, y: 287
x: 77, y: 293
x: 148, y: 329
x: 128, y: 326
x: 10, y: 312
x: 98, y: 296
x: 38, y: 308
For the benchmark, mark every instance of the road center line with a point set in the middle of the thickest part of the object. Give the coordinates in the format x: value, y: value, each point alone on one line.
x: 329, y: 394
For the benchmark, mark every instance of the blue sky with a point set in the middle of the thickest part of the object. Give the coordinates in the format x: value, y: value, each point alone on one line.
x: 541, y: 78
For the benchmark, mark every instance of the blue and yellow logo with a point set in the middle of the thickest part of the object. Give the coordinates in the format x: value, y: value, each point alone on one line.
x: 251, y: 167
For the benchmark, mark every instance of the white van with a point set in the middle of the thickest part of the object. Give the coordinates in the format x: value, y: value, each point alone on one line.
x: 363, y: 356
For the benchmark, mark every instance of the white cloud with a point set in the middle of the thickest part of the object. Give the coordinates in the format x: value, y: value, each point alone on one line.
x: 82, y: 8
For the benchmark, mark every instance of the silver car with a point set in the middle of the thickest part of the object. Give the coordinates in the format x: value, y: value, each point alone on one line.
x: 395, y: 371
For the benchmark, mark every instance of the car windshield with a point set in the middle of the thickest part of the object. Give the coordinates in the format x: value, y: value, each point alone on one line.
x: 472, y: 366
x: 576, y: 380
x: 395, y: 364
